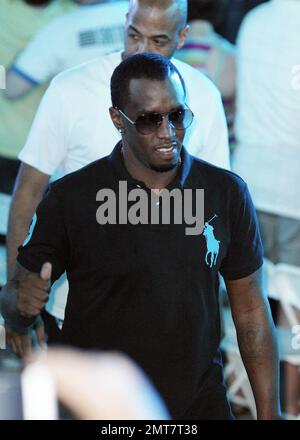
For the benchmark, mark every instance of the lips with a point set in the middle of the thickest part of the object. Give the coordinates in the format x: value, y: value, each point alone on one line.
x: 164, y: 148
x: 167, y: 151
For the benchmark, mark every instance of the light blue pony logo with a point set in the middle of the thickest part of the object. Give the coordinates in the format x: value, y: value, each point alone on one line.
x: 212, y: 244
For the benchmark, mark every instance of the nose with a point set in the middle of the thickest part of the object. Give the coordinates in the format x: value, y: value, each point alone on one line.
x: 166, y: 129
x: 144, y: 46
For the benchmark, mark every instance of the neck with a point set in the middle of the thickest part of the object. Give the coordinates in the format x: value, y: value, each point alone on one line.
x: 151, y: 178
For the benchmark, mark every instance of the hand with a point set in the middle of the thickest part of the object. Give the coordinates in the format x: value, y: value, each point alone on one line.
x: 110, y: 385
x: 33, y: 291
x: 21, y: 343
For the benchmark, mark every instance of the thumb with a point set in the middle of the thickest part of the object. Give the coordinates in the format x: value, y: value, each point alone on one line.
x: 46, y: 272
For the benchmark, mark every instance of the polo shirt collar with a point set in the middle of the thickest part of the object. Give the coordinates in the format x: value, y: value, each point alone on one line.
x: 117, y: 161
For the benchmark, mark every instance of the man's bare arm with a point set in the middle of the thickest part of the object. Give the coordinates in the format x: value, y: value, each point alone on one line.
x: 257, y: 342
x: 29, y: 189
x: 16, y: 85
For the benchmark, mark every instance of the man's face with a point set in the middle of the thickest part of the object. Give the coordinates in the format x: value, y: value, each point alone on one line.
x: 152, y: 29
x: 160, y: 150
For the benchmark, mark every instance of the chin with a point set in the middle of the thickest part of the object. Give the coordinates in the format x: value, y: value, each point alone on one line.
x: 163, y: 168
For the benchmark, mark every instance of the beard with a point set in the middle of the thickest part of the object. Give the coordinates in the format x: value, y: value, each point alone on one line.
x: 164, y: 168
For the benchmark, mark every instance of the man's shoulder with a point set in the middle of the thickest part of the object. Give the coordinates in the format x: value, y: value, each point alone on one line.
x: 99, y: 70
x: 93, y: 174
x: 254, y: 16
x: 259, y: 10
x: 219, y: 178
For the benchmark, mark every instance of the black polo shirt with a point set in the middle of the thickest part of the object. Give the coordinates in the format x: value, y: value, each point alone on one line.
x: 150, y: 291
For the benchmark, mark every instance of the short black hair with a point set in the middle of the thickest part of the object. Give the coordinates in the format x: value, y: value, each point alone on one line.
x: 142, y: 65
x: 208, y: 10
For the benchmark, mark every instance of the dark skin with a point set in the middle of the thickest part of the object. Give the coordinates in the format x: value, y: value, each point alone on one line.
x: 154, y: 27
x: 250, y: 310
x: 257, y: 342
x: 143, y: 153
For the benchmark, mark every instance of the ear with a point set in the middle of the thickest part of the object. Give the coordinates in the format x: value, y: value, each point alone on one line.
x: 182, y: 36
x: 116, y: 119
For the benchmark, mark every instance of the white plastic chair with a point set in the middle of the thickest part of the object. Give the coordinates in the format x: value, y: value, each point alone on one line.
x: 288, y: 284
x: 239, y: 389
x: 269, y: 280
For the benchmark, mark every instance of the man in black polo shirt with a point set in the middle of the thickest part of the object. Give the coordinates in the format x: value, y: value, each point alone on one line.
x: 150, y: 288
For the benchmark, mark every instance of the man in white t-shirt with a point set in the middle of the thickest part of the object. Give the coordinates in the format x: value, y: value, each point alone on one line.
x: 268, y: 151
x: 72, y: 126
x: 93, y: 29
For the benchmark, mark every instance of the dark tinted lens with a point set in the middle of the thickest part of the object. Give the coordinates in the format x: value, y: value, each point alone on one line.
x: 148, y: 123
x: 181, y: 118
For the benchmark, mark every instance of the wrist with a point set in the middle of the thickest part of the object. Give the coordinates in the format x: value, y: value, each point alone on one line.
x: 8, y: 308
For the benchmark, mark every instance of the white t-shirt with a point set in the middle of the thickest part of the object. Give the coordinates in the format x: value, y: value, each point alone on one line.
x: 268, y: 107
x: 86, y: 33
x: 72, y: 126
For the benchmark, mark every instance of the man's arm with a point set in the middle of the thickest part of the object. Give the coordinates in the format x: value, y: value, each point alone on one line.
x: 30, y: 187
x: 17, y: 85
x: 44, y: 150
x: 27, y: 290
x: 257, y: 343
x: 36, y: 64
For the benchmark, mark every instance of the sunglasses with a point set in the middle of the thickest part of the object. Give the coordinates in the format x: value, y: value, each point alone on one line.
x: 148, y: 123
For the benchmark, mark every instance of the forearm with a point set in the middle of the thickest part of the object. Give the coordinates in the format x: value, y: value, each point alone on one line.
x: 20, y: 216
x: 258, y: 349
x: 16, y: 85
x: 29, y: 191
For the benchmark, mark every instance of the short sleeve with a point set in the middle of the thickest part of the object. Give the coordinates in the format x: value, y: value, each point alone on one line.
x: 39, y: 60
x: 46, y: 147
x: 216, y: 146
x: 245, y: 252
x: 46, y: 240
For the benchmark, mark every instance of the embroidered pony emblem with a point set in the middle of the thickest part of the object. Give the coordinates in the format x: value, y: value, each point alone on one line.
x: 212, y: 244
